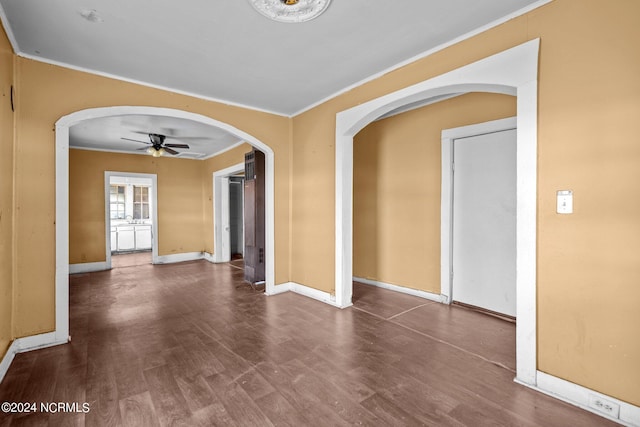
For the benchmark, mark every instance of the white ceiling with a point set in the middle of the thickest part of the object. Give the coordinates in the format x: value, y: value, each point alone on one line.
x: 225, y: 50
x: 106, y: 133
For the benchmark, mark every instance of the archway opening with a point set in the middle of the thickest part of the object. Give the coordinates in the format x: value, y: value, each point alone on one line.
x: 512, y: 72
x: 61, y: 333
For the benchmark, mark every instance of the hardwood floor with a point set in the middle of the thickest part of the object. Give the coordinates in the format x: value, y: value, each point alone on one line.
x: 191, y: 344
x: 130, y: 259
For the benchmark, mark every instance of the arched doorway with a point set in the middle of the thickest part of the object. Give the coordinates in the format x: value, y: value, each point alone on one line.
x: 512, y: 72
x: 61, y: 333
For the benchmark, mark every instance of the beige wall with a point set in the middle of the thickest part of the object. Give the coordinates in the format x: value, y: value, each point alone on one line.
x: 179, y: 202
x: 588, y: 269
x: 6, y: 193
x: 396, y: 195
x: 45, y: 94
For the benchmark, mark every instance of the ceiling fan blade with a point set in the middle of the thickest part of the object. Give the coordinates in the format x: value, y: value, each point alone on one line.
x: 177, y: 145
x: 142, y: 149
x: 170, y: 150
x: 135, y: 140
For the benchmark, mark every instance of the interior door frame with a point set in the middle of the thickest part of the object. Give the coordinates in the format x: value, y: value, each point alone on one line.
x: 154, y: 212
x: 446, y: 193
x: 221, y: 229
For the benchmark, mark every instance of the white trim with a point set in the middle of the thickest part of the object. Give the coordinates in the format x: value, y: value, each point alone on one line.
x: 173, y: 258
x: 403, y: 289
x: 62, y: 230
x: 429, y: 52
x: 7, y: 359
x: 221, y: 237
x: 312, y: 293
x: 306, y: 291
x: 279, y: 289
x: 88, y: 267
x: 154, y: 212
x: 578, y: 395
x: 209, y: 257
x: 33, y: 342
x: 513, y: 72
x: 446, y: 193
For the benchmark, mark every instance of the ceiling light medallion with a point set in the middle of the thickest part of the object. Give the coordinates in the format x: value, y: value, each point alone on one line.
x: 91, y: 15
x: 290, y: 11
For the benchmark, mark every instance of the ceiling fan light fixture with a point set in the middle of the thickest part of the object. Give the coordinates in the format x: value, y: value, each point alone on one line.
x: 290, y: 11
x: 158, y: 152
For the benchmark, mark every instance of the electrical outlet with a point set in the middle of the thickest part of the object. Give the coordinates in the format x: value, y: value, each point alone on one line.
x: 612, y: 409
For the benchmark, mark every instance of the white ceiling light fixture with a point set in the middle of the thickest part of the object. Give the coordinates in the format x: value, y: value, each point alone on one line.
x: 290, y: 11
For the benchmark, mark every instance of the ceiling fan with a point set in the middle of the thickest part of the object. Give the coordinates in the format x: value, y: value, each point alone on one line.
x: 156, y: 145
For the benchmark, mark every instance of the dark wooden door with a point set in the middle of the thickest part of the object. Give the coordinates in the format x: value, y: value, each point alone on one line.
x: 254, y: 233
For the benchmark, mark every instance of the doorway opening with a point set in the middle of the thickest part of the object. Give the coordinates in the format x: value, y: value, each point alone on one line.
x: 223, y: 188
x: 239, y: 217
x: 131, y: 213
x: 478, y: 215
x: 61, y: 333
x: 236, y: 216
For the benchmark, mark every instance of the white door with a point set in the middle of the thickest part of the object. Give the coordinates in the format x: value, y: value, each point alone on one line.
x: 484, y: 221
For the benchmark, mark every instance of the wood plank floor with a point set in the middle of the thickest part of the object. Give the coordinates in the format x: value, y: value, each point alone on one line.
x: 191, y: 344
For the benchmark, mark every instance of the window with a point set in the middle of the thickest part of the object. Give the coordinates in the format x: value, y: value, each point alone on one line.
x: 116, y: 200
x: 140, y: 202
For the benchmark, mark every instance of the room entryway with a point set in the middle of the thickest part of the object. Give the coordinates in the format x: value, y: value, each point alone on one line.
x: 130, y: 214
x: 484, y: 222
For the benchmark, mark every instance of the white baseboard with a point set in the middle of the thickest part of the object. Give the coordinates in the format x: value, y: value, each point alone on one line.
x: 306, y: 291
x: 7, y: 359
x: 279, y: 289
x: 316, y: 294
x: 173, y: 258
x: 209, y: 257
x: 21, y: 345
x: 577, y: 395
x: 415, y: 292
x: 87, y: 267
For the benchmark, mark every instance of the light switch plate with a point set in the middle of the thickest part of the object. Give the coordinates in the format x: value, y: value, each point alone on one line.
x: 565, y: 202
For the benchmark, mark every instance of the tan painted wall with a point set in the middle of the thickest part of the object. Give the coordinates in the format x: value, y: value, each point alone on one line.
x: 223, y: 161
x: 6, y: 193
x: 588, y: 269
x: 396, y: 195
x: 179, y: 202
x: 45, y: 94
